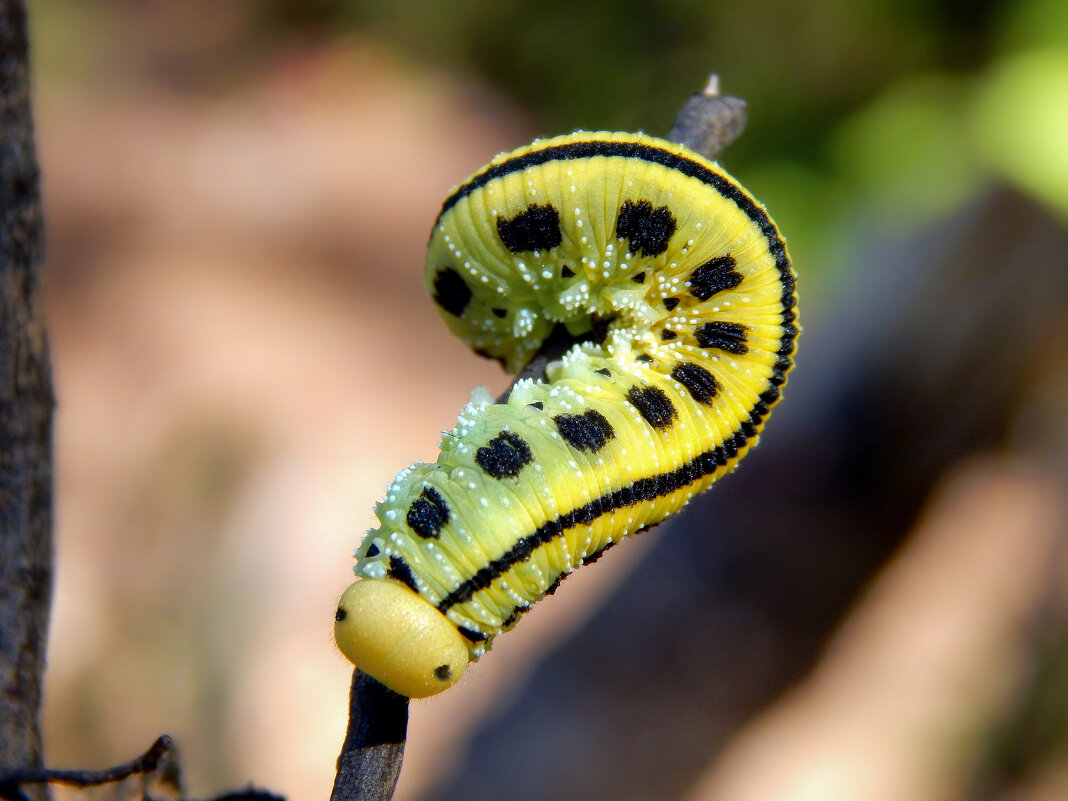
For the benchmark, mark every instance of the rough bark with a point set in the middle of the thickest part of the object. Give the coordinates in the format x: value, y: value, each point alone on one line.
x: 26, y: 403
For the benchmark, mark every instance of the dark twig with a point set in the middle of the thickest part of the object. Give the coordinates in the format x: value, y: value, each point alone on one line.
x: 370, y: 759
x: 249, y: 793
x: 709, y: 121
x: 148, y: 762
x: 158, y: 759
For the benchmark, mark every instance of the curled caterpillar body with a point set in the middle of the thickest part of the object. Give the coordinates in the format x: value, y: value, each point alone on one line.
x: 683, y: 289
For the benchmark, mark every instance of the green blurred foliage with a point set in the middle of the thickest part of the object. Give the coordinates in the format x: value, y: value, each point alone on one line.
x: 892, y: 113
x: 883, y: 114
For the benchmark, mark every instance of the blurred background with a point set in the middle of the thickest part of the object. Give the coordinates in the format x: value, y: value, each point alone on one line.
x: 237, y: 198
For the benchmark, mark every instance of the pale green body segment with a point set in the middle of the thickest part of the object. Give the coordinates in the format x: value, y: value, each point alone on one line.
x: 690, y: 288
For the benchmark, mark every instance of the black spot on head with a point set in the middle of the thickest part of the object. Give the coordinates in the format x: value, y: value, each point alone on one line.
x: 603, y: 371
x: 428, y: 513
x: 700, y: 383
x: 724, y: 336
x: 667, y: 335
x: 372, y: 550
x: 471, y: 634
x: 654, y: 405
x: 504, y: 455
x: 671, y: 303
x: 400, y: 571
x: 450, y: 291
x: 713, y: 277
x: 443, y: 673
x: 537, y: 405
x: 501, y: 313
x: 340, y: 615
x: 647, y: 229
x: 639, y: 278
x: 537, y: 228
x: 566, y: 272
x: 589, y: 431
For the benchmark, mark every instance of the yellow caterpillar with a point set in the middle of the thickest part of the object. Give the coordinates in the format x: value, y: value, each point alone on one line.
x: 680, y: 285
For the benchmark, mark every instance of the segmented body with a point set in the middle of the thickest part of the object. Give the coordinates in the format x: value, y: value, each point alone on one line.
x: 682, y: 283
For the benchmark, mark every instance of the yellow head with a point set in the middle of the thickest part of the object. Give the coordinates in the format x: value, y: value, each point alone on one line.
x: 392, y: 634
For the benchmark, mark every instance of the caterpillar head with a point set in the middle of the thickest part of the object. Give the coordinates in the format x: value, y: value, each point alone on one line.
x: 392, y: 634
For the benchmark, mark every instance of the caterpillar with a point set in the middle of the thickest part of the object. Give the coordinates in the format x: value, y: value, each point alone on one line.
x: 679, y: 289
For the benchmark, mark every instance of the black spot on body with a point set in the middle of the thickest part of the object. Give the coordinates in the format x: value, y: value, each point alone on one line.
x: 552, y: 588
x: 502, y: 313
x: 537, y: 228
x: 667, y: 335
x: 471, y: 634
x: 603, y: 371
x: 428, y: 513
x: 700, y: 383
x: 400, y: 571
x: 654, y: 405
x: 645, y: 357
x: 340, y: 615
x: 504, y: 455
x: 589, y: 431
x: 647, y: 229
x: 639, y: 278
x: 372, y: 550
x: 537, y: 405
x: 724, y: 336
x: 671, y: 303
x: 566, y: 272
x: 450, y: 291
x: 713, y: 277
x: 442, y: 673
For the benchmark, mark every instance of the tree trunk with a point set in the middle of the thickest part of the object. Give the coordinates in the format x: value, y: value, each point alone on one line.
x: 26, y: 403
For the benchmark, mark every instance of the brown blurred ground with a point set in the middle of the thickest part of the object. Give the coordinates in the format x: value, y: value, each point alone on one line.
x: 936, y: 653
